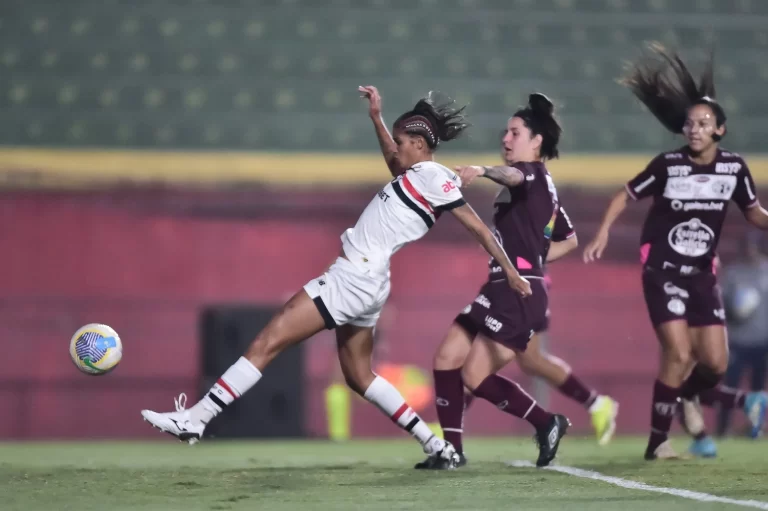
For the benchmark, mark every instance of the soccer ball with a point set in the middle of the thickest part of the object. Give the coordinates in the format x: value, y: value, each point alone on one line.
x: 96, y: 349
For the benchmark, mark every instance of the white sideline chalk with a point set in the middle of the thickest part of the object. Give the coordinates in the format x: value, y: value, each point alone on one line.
x: 634, y: 485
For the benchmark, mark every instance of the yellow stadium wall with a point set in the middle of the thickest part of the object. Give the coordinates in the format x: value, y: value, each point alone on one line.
x: 65, y: 167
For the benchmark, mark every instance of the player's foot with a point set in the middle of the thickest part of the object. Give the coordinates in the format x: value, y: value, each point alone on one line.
x: 604, y: 411
x: 691, y: 416
x: 703, y: 448
x: 445, y: 459
x: 178, y: 423
x: 755, y: 407
x: 437, y: 463
x: 548, y: 439
x: 664, y: 452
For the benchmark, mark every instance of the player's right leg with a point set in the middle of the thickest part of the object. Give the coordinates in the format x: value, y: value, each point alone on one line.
x: 355, y: 346
x: 449, y: 389
x: 674, y: 367
x: 603, y: 409
x: 299, y: 319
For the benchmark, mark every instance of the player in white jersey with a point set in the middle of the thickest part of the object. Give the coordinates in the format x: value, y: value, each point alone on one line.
x: 349, y: 296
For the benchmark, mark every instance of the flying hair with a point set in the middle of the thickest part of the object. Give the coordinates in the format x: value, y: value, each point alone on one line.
x: 661, y: 80
x: 436, y: 118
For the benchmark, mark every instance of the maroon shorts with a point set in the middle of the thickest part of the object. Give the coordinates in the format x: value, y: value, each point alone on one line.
x: 502, y: 315
x: 670, y: 296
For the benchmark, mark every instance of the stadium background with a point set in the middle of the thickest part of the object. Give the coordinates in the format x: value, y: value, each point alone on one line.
x: 161, y: 157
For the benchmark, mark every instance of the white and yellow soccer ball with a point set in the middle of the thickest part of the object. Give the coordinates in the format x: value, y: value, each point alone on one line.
x: 96, y: 349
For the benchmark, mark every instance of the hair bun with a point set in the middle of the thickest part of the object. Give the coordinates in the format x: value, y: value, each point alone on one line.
x: 538, y: 102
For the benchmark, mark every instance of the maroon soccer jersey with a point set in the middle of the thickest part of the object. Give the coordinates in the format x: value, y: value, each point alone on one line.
x: 690, y: 202
x: 525, y: 219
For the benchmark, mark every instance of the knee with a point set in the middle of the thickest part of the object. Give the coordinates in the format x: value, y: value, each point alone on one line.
x: 447, y: 359
x: 718, y: 367
x: 471, y: 379
x: 679, y: 356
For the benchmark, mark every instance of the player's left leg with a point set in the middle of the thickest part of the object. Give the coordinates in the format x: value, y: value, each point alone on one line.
x: 485, y: 359
x: 355, y: 347
x: 603, y: 410
x: 296, y: 321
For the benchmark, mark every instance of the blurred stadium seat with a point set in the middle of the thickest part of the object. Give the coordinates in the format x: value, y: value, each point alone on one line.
x: 283, y: 75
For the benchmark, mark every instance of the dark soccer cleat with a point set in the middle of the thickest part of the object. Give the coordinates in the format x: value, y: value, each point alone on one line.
x: 548, y: 439
x: 446, y: 459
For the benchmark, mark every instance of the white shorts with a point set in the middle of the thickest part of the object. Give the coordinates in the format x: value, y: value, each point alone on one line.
x: 344, y: 294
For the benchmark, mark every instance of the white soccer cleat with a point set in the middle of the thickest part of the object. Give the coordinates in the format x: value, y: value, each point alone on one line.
x: 178, y: 423
x: 691, y: 416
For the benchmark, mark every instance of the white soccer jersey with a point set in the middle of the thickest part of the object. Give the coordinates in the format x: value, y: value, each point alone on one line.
x: 402, y: 212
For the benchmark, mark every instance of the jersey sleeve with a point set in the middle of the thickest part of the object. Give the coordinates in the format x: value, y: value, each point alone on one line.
x: 440, y: 187
x: 563, y: 228
x: 744, y: 195
x: 650, y: 181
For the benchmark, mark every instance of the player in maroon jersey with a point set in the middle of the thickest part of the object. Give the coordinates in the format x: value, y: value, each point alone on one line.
x: 450, y: 396
x: 497, y: 327
x: 691, y: 188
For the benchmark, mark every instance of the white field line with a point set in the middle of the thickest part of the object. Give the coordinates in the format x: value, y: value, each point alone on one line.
x: 634, y: 485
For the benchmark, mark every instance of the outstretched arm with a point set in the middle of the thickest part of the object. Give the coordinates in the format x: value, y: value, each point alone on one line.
x: 596, y: 247
x: 506, y: 176
x: 469, y: 219
x: 386, y: 142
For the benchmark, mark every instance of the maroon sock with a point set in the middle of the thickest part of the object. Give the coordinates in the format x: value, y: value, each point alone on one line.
x: 701, y: 379
x: 576, y: 390
x: 662, y: 413
x: 449, y: 397
x: 727, y: 397
x: 468, y: 400
x: 509, y: 397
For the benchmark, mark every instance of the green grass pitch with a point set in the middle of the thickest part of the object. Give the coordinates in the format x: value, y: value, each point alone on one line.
x: 361, y: 475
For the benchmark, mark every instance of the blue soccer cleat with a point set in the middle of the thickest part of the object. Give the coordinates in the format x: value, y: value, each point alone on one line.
x: 704, y: 448
x: 755, y: 407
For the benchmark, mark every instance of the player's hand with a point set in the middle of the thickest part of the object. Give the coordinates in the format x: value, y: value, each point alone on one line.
x: 594, y: 250
x: 374, y: 99
x: 519, y: 284
x: 469, y: 173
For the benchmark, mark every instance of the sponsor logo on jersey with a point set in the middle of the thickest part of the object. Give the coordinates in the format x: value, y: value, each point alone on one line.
x: 678, y: 205
x: 693, y: 238
x: 673, y: 156
x: 467, y: 309
x: 673, y: 290
x: 494, y: 325
x: 448, y: 186
x: 728, y: 167
x: 483, y: 300
x: 700, y: 187
x: 686, y: 269
x: 678, y: 170
x: 676, y: 306
x: 719, y: 314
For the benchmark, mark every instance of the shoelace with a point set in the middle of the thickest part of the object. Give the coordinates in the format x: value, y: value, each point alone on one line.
x: 180, y: 402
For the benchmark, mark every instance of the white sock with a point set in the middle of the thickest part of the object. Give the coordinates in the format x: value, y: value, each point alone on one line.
x: 236, y: 381
x: 387, y: 399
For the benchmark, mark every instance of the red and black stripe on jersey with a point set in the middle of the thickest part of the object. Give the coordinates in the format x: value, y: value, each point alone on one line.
x: 411, y: 197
